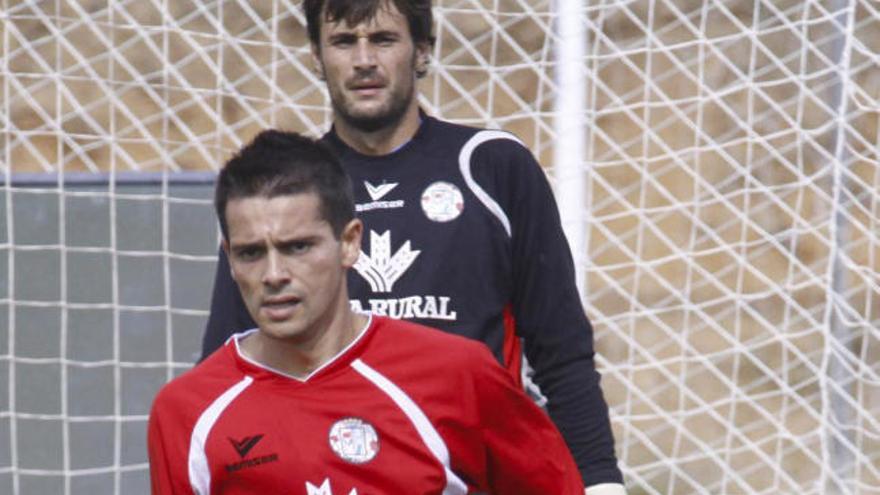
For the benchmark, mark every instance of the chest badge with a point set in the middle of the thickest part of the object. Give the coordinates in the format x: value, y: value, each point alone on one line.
x: 442, y: 202
x: 354, y: 440
x: 378, y: 192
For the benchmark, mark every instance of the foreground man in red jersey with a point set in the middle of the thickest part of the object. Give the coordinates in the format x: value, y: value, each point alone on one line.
x: 322, y: 400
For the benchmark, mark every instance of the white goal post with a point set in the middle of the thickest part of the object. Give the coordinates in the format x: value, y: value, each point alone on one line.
x: 722, y: 196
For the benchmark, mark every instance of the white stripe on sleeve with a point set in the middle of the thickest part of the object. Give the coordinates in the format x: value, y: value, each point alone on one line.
x: 464, y: 164
x: 199, y: 471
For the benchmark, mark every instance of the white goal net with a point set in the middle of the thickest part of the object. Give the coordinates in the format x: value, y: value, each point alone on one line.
x: 731, y: 260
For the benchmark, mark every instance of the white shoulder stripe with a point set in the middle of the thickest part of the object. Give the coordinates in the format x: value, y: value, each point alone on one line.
x: 432, y: 439
x: 464, y: 164
x: 199, y: 471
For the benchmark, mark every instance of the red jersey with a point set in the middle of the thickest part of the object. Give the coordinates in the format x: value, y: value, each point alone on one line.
x: 402, y: 410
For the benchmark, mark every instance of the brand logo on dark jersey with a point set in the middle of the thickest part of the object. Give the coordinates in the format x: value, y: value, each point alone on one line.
x: 380, y: 268
x: 437, y: 308
x: 376, y: 194
x: 244, y: 446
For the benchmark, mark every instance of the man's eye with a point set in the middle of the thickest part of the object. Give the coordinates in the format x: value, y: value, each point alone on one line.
x: 384, y: 40
x: 248, y: 254
x: 342, y: 41
x: 298, y: 247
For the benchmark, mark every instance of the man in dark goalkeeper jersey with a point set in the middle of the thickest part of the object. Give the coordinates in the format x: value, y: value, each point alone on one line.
x: 461, y: 228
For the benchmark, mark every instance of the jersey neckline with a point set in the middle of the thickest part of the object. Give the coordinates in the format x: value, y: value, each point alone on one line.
x: 252, y: 367
x: 337, y: 143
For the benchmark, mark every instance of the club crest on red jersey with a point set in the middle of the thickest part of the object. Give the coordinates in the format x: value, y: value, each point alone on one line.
x: 442, y: 202
x: 354, y: 440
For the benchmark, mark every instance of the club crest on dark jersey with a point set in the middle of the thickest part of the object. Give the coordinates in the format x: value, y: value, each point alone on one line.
x: 354, y: 440
x: 442, y: 202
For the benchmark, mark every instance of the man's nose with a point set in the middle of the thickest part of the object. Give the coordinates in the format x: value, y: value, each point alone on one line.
x: 275, y: 274
x: 364, y: 54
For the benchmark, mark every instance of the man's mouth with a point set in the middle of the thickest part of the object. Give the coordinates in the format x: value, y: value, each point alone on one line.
x: 280, y: 307
x: 366, y: 87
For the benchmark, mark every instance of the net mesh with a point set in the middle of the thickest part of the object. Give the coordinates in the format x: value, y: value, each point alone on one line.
x: 732, y: 222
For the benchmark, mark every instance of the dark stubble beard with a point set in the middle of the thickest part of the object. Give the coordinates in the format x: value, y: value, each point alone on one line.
x: 383, y: 118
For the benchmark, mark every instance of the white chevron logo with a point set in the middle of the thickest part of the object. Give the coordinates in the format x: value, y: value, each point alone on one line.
x: 380, y: 269
x: 377, y: 192
x: 324, y: 489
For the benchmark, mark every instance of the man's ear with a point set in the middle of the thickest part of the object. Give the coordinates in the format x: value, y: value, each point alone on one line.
x: 317, y: 65
x: 225, y: 245
x: 423, y: 58
x: 350, y: 238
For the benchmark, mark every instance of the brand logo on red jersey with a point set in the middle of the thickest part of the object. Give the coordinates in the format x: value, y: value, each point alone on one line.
x: 245, y: 445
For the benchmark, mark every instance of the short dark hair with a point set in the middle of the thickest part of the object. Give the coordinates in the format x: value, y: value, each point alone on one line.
x: 417, y: 13
x: 278, y: 163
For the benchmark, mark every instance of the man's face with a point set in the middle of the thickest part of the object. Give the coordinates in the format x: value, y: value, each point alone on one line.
x: 370, y: 68
x: 289, y: 266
